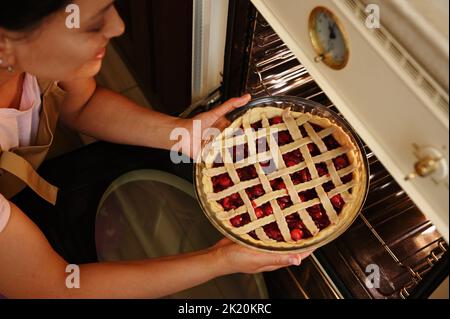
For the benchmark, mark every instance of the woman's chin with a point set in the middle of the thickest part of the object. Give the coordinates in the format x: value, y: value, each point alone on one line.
x: 89, y: 70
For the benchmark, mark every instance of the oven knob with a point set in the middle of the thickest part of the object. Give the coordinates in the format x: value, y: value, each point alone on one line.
x: 430, y: 162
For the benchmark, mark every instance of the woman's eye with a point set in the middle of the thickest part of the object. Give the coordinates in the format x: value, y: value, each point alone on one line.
x: 96, y: 28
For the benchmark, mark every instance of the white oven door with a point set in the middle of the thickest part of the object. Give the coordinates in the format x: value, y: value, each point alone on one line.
x: 398, y: 107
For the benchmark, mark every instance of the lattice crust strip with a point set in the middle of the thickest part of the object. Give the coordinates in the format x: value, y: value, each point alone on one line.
x: 275, y: 153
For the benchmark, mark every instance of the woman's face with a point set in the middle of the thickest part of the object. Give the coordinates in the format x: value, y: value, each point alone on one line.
x: 57, y: 52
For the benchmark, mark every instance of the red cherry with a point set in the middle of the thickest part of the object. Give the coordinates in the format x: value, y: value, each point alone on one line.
x: 302, y: 196
x: 259, y: 212
x: 313, y: 149
x: 236, y: 221
x: 341, y: 162
x: 291, y: 163
x: 274, y: 233
x: 347, y: 178
x: 296, y: 234
x: 284, y: 138
x: 314, y: 209
x: 235, y: 196
x: 296, y: 178
x: 255, y: 191
x: 316, y: 215
x: 238, y: 202
x: 258, y: 190
x: 225, y: 181
x: 337, y: 201
x: 277, y: 120
x: 268, y: 210
x: 281, y: 185
x: 256, y: 125
x: 273, y: 183
x: 284, y: 202
x: 305, y: 176
x: 277, y: 184
x: 323, y: 222
x: 226, y: 203
x: 321, y: 170
x: 297, y: 155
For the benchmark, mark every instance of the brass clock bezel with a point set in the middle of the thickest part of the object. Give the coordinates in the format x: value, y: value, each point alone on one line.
x: 322, y: 55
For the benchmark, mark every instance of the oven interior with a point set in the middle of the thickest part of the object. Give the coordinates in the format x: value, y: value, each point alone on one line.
x: 391, y: 235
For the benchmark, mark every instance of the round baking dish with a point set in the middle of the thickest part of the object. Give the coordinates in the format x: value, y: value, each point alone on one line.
x: 301, y: 105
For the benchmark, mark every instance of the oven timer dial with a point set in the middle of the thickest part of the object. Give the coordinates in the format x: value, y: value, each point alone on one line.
x: 328, y: 38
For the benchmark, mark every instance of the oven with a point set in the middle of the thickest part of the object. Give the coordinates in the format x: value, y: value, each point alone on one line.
x: 397, y: 247
x: 393, y: 91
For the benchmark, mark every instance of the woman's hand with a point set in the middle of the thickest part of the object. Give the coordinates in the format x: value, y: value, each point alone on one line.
x: 209, y: 118
x: 233, y: 258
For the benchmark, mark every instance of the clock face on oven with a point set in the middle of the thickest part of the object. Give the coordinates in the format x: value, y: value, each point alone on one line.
x: 328, y: 38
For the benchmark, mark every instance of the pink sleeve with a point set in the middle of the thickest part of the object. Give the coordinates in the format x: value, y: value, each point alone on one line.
x: 5, y: 211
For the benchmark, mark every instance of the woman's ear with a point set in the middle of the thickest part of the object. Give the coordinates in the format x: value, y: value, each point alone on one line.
x: 7, y: 57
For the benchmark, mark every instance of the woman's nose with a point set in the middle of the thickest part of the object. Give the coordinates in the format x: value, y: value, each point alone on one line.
x: 116, y: 27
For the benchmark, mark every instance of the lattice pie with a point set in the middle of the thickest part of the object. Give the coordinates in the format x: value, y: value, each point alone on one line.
x: 281, y: 178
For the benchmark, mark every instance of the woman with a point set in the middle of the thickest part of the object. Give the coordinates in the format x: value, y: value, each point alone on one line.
x: 35, y: 43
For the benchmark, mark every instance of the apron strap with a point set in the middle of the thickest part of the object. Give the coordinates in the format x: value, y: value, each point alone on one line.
x: 23, y: 170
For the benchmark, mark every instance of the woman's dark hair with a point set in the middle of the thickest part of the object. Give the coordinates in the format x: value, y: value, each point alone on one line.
x: 21, y: 15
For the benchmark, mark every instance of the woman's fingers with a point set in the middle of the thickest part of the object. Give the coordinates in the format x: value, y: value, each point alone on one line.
x: 232, y: 104
x: 278, y: 260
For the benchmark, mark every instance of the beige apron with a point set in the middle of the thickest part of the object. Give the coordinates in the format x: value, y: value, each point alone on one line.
x: 18, y: 166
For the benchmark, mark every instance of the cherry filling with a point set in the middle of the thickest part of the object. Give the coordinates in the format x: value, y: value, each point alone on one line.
x: 240, y: 220
x: 273, y: 231
x: 302, y: 176
x: 322, y: 169
x: 221, y: 182
x: 255, y: 192
x: 338, y: 203
x: 284, y: 202
x: 276, y: 120
x: 328, y: 186
x: 316, y: 127
x: 308, y: 195
x: 233, y: 201
x: 239, y: 152
x: 277, y: 184
x: 256, y: 126
x: 303, y: 131
x: 292, y: 158
x: 313, y: 149
x: 247, y: 173
x: 283, y: 138
x: 331, y: 142
x: 341, y: 162
x: 267, y: 209
x: 297, y: 228
x: 318, y: 214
